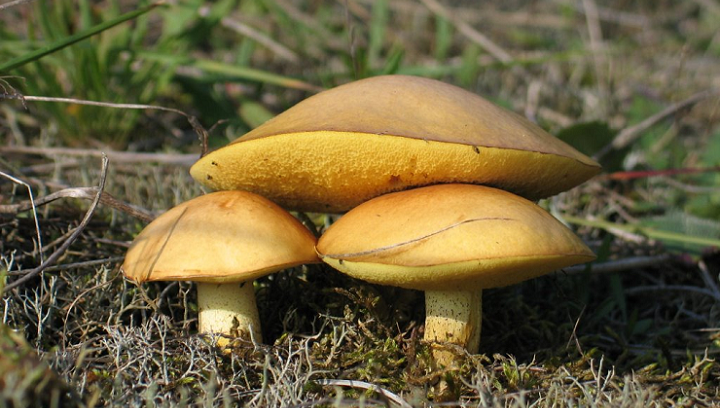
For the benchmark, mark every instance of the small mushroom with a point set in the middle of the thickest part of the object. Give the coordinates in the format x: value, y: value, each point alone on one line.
x: 349, y: 144
x: 451, y: 241
x: 223, y: 241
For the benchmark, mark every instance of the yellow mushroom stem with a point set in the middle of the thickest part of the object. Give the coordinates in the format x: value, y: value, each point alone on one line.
x: 453, y: 317
x: 229, y: 309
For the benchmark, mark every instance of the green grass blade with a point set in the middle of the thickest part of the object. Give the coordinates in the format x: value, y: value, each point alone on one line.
x: 245, y: 73
x: 253, y: 75
x: 443, y: 38
x: 254, y: 113
x: 652, y: 233
x: 378, y: 23
x: 65, y: 42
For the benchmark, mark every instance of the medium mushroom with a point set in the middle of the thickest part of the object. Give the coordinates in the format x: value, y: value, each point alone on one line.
x: 222, y: 241
x: 451, y: 241
x: 349, y: 144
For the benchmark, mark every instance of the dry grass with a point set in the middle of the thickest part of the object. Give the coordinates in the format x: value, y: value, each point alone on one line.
x: 80, y: 335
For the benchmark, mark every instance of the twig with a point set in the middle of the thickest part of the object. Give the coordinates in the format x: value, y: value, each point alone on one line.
x: 596, y: 44
x: 469, y: 32
x: 629, y: 175
x: 708, y: 279
x: 87, y: 193
x: 650, y: 233
x: 8, y: 91
x: 689, y: 188
x: 351, y: 41
x: 33, y: 207
x: 553, y: 116
x: 13, y: 3
x: 683, y: 288
x: 250, y: 32
x: 628, y: 135
x: 43, y: 168
x: 102, y: 104
x: 573, y: 335
x: 533, y: 100
x: 78, y: 298
x: 194, y: 122
x: 365, y: 386
x: 60, y: 251
x: 618, y: 16
x: 710, y: 5
x: 123, y: 157
x: 63, y: 267
x: 619, y: 265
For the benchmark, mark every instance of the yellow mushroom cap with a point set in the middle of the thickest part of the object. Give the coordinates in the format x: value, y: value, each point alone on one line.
x: 346, y: 145
x: 450, y: 237
x: 228, y: 236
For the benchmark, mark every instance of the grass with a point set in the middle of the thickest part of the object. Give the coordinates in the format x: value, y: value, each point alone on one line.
x: 644, y: 334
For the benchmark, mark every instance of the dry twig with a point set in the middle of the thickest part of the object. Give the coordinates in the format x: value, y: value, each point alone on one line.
x: 73, y: 265
x: 243, y: 29
x: 87, y: 193
x: 13, y: 3
x: 365, y: 386
x: 194, y: 122
x: 469, y: 32
x: 61, y: 250
x: 630, y: 134
x: 122, y: 157
x: 32, y: 206
x: 619, y: 265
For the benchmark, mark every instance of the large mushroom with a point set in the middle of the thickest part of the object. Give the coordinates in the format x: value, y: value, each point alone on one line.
x: 223, y: 241
x: 349, y: 144
x: 450, y: 241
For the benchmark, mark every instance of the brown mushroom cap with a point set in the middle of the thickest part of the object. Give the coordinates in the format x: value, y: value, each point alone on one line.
x: 450, y: 237
x: 229, y: 236
x: 346, y: 145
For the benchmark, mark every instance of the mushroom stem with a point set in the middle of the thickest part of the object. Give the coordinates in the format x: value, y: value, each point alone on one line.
x: 453, y: 317
x: 229, y: 309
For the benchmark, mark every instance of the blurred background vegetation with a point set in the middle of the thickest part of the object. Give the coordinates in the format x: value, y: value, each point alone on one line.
x: 582, y: 73
x: 592, y: 73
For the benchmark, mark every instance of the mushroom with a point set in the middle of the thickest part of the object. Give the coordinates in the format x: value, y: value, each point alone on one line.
x: 222, y: 241
x: 349, y: 144
x: 451, y: 241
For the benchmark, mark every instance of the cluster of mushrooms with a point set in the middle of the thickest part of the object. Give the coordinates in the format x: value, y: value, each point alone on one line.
x: 436, y: 185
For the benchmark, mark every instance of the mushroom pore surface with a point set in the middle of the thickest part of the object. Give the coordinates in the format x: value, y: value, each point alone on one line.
x: 346, y: 145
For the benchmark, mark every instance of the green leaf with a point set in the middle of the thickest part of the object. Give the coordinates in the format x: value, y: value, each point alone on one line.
x: 617, y: 292
x: 469, y: 68
x: 378, y: 22
x: 252, y: 74
x: 392, y: 64
x: 642, y: 326
x: 245, y: 73
x: 443, y: 38
x: 675, y: 238
x: 682, y: 224
x: 72, y: 39
x: 590, y: 137
x: 710, y: 155
x: 254, y: 113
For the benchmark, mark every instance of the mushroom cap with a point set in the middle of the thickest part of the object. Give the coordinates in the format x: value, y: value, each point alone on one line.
x: 348, y: 144
x: 450, y: 237
x: 228, y: 236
